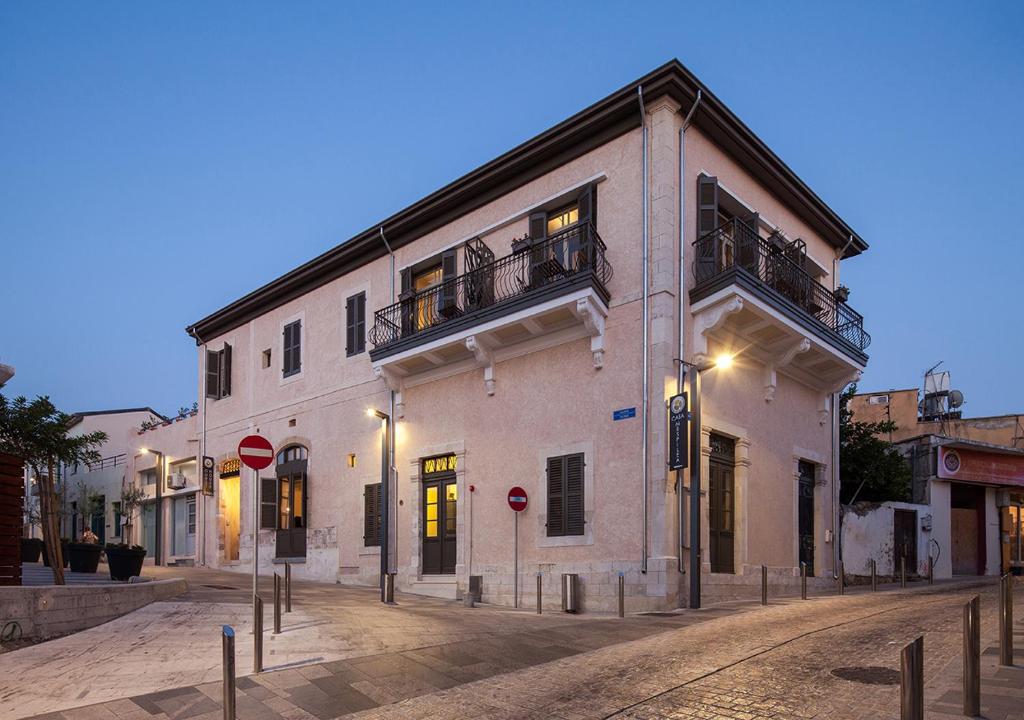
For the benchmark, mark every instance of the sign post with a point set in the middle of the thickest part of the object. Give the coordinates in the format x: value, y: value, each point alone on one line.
x: 256, y: 453
x: 517, y: 500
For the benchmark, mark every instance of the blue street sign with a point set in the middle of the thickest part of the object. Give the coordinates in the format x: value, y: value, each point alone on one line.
x: 624, y: 413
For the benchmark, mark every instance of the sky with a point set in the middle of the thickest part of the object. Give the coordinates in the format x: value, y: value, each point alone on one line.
x: 159, y: 160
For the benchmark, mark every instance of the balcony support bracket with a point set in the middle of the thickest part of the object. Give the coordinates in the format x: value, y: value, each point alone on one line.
x: 780, y: 361
x: 708, y: 321
x: 393, y: 382
x: 593, y: 320
x: 485, y: 356
x: 826, y: 406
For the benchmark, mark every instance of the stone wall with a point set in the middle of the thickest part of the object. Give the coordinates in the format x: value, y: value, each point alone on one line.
x: 43, y: 612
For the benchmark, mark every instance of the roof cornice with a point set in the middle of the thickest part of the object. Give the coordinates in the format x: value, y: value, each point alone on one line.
x: 590, y: 128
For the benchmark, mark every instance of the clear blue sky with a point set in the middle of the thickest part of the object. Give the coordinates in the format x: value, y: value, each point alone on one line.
x: 159, y: 160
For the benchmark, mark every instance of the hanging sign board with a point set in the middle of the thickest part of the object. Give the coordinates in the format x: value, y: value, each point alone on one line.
x: 208, y: 467
x: 678, y: 431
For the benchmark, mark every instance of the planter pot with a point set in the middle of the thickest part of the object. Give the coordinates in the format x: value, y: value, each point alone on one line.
x: 63, y: 554
x: 125, y: 563
x: 30, y: 549
x: 85, y: 557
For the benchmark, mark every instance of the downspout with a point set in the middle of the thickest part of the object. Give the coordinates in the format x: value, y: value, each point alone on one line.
x: 202, y: 453
x: 646, y: 319
x: 680, y: 307
x: 837, y: 518
x: 391, y: 411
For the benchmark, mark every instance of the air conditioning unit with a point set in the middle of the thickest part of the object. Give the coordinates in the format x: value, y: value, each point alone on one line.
x: 176, y: 481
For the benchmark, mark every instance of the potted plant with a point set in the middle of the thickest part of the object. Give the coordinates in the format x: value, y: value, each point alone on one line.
x: 85, y: 556
x: 64, y: 542
x: 842, y: 293
x: 125, y: 561
x: 132, y: 497
x: 31, y: 548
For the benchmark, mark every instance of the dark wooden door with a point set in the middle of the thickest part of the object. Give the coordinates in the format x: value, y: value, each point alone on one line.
x: 721, y: 505
x: 440, y: 514
x: 291, y: 509
x: 904, y: 537
x: 805, y: 515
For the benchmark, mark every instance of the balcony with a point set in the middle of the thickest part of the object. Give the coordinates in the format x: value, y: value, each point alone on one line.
x: 544, y: 293
x: 754, y: 294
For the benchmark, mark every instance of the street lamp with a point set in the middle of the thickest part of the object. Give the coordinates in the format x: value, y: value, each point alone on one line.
x: 158, y: 515
x: 385, y: 466
x: 723, y: 361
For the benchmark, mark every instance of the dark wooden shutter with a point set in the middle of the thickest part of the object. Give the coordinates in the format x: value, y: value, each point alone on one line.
x: 747, y: 243
x: 268, y: 503
x: 556, y: 496
x: 581, y: 247
x: 212, y: 374
x: 292, y: 348
x: 350, y: 326
x: 707, y: 220
x: 360, y: 322
x: 574, y: 494
x: 225, y: 371
x: 449, y: 288
x: 408, y: 306
x: 371, y: 515
x: 587, y: 203
x: 538, y: 234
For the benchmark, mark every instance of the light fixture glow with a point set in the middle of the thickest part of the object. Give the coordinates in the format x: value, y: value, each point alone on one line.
x: 143, y: 451
x: 723, y: 361
x: 370, y: 412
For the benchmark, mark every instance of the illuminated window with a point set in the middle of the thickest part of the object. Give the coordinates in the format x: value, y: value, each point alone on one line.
x: 563, y: 218
x: 428, y: 303
x: 430, y: 515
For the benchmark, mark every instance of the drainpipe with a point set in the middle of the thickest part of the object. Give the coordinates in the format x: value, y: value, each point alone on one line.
x: 385, y: 490
x: 837, y: 518
x: 680, y: 307
x: 199, y: 460
x: 646, y: 319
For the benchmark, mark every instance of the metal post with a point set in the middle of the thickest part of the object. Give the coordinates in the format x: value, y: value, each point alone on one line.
x: 764, y: 584
x: 255, y: 544
x: 972, y: 657
x: 257, y: 637
x: 538, y: 594
x: 842, y: 580
x: 515, y: 562
x: 277, y: 604
x: 622, y: 594
x: 874, y: 575
x: 389, y: 588
x: 1006, y: 620
x: 803, y: 581
x: 903, y: 571
x: 912, y: 681
x: 385, y: 506
x: 931, y: 570
x: 695, y: 458
x: 227, y: 635
x: 288, y: 587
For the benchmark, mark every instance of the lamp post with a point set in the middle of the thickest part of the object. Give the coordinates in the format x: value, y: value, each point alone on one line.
x: 723, y: 362
x: 158, y: 515
x: 385, y: 502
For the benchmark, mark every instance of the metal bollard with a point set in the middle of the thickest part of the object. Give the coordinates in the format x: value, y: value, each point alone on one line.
x: 931, y: 570
x: 842, y: 580
x: 277, y: 604
x: 972, y: 657
x: 227, y: 642
x: 912, y: 681
x: 764, y: 584
x: 1006, y: 620
x: 874, y: 576
x: 257, y: 636
x: 538, y: 594
x: 803, y: 581
x: 288, y: 587
x: 903, y: 571
x: 622, y: 595
x: 389, y: 589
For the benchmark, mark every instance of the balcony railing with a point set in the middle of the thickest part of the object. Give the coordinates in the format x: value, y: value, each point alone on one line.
x: 736, y: 247
x: 571, y: 256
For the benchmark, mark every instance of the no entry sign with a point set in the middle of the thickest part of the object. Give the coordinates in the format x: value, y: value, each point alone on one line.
x: 256, y: 452
x: 517, y: 499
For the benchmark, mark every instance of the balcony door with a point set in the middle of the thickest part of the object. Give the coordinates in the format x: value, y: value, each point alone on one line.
x: 439, y: 516
x: 805, y: 515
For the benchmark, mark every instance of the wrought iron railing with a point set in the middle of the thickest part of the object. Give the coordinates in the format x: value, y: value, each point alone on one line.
x: 736, y: 246
x: 103, y: 463
x: 574, y: 253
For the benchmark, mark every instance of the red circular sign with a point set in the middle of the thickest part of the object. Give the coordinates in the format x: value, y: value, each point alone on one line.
x: 256, y: 452
x: 517, y: 499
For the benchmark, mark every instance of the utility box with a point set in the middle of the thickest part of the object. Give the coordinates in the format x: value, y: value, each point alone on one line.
x: 570, y: 592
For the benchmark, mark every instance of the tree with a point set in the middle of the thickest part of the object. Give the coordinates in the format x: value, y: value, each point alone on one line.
x: 871, y: 468
x: 132, y: 497
x: 37, y: 432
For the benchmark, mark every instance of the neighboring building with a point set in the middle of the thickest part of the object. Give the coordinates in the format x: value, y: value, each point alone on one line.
x: 505, y: 322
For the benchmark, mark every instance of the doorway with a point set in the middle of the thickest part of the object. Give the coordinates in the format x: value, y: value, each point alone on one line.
x: 149, y: 528
x: 721, y: 504
x: 183, y: 524
x: 230, y: 489
x: 967, y: 521
x: 904, y: 540
x: 292, y: 501
x: 439, y: 516
x: 805, y: 515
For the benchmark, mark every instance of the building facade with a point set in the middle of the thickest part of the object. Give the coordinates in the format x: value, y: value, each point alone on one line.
x: 523, y: 326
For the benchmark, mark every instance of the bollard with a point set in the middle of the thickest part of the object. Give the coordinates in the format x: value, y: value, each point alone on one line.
x: 972, y: 657
x: 912, y: 681
x: 903, y: 571
x: 764, y: 584
x: 1006, y: 620
x: 277, y: 604
x: 389, y: 589
x: 874, y: 576
x: 842, y: 580
x: 228, y: 649
x: 931, y: 569
x: 803, y: 581
x: 538, y: 594
x: 288, y: 587
x: 622, y: 595
x: 257, y: 637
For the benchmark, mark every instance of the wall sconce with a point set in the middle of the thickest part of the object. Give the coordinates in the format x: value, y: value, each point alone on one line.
x: 351, y: 460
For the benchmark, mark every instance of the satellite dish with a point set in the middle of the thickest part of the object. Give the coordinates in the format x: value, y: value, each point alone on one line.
x: 956, y: 398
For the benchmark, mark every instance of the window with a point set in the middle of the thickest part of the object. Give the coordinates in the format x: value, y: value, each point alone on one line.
x: 561, y: 219
x: 355, y: 324
x: 292, y: 452
x: 427, y: 303
x: 218, y: 373
x: 149, y: 477
x: 565, y: 495
x: 292, y: 348
x: 190, y: 506
x: 371, y: 515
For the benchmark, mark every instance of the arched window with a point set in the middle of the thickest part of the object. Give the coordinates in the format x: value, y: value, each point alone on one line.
x: 292, y: 452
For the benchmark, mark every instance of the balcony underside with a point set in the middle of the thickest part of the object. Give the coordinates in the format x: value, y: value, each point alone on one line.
x: 735, y: 319
x: 484, y: 342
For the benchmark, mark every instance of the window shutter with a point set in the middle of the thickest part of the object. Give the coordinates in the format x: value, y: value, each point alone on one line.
x: 538, y: 226
x: 556, y: 496
x: 574, y: 494
x: 212, y: 374
x: 297, y: 346
x: 587, y: 203
x: 225, y: 371
x: 292, y: 348
x: 538, y: 234
x: 350, y: 326
x: 286, y: 350
x: 707, y: 205
x: 747, y: 250
x: 371, y: 515
x: 360, y: 322
x: 408, y: 306
x: 581, y: 250
x: 268, y: 503
x: 449, y: 288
